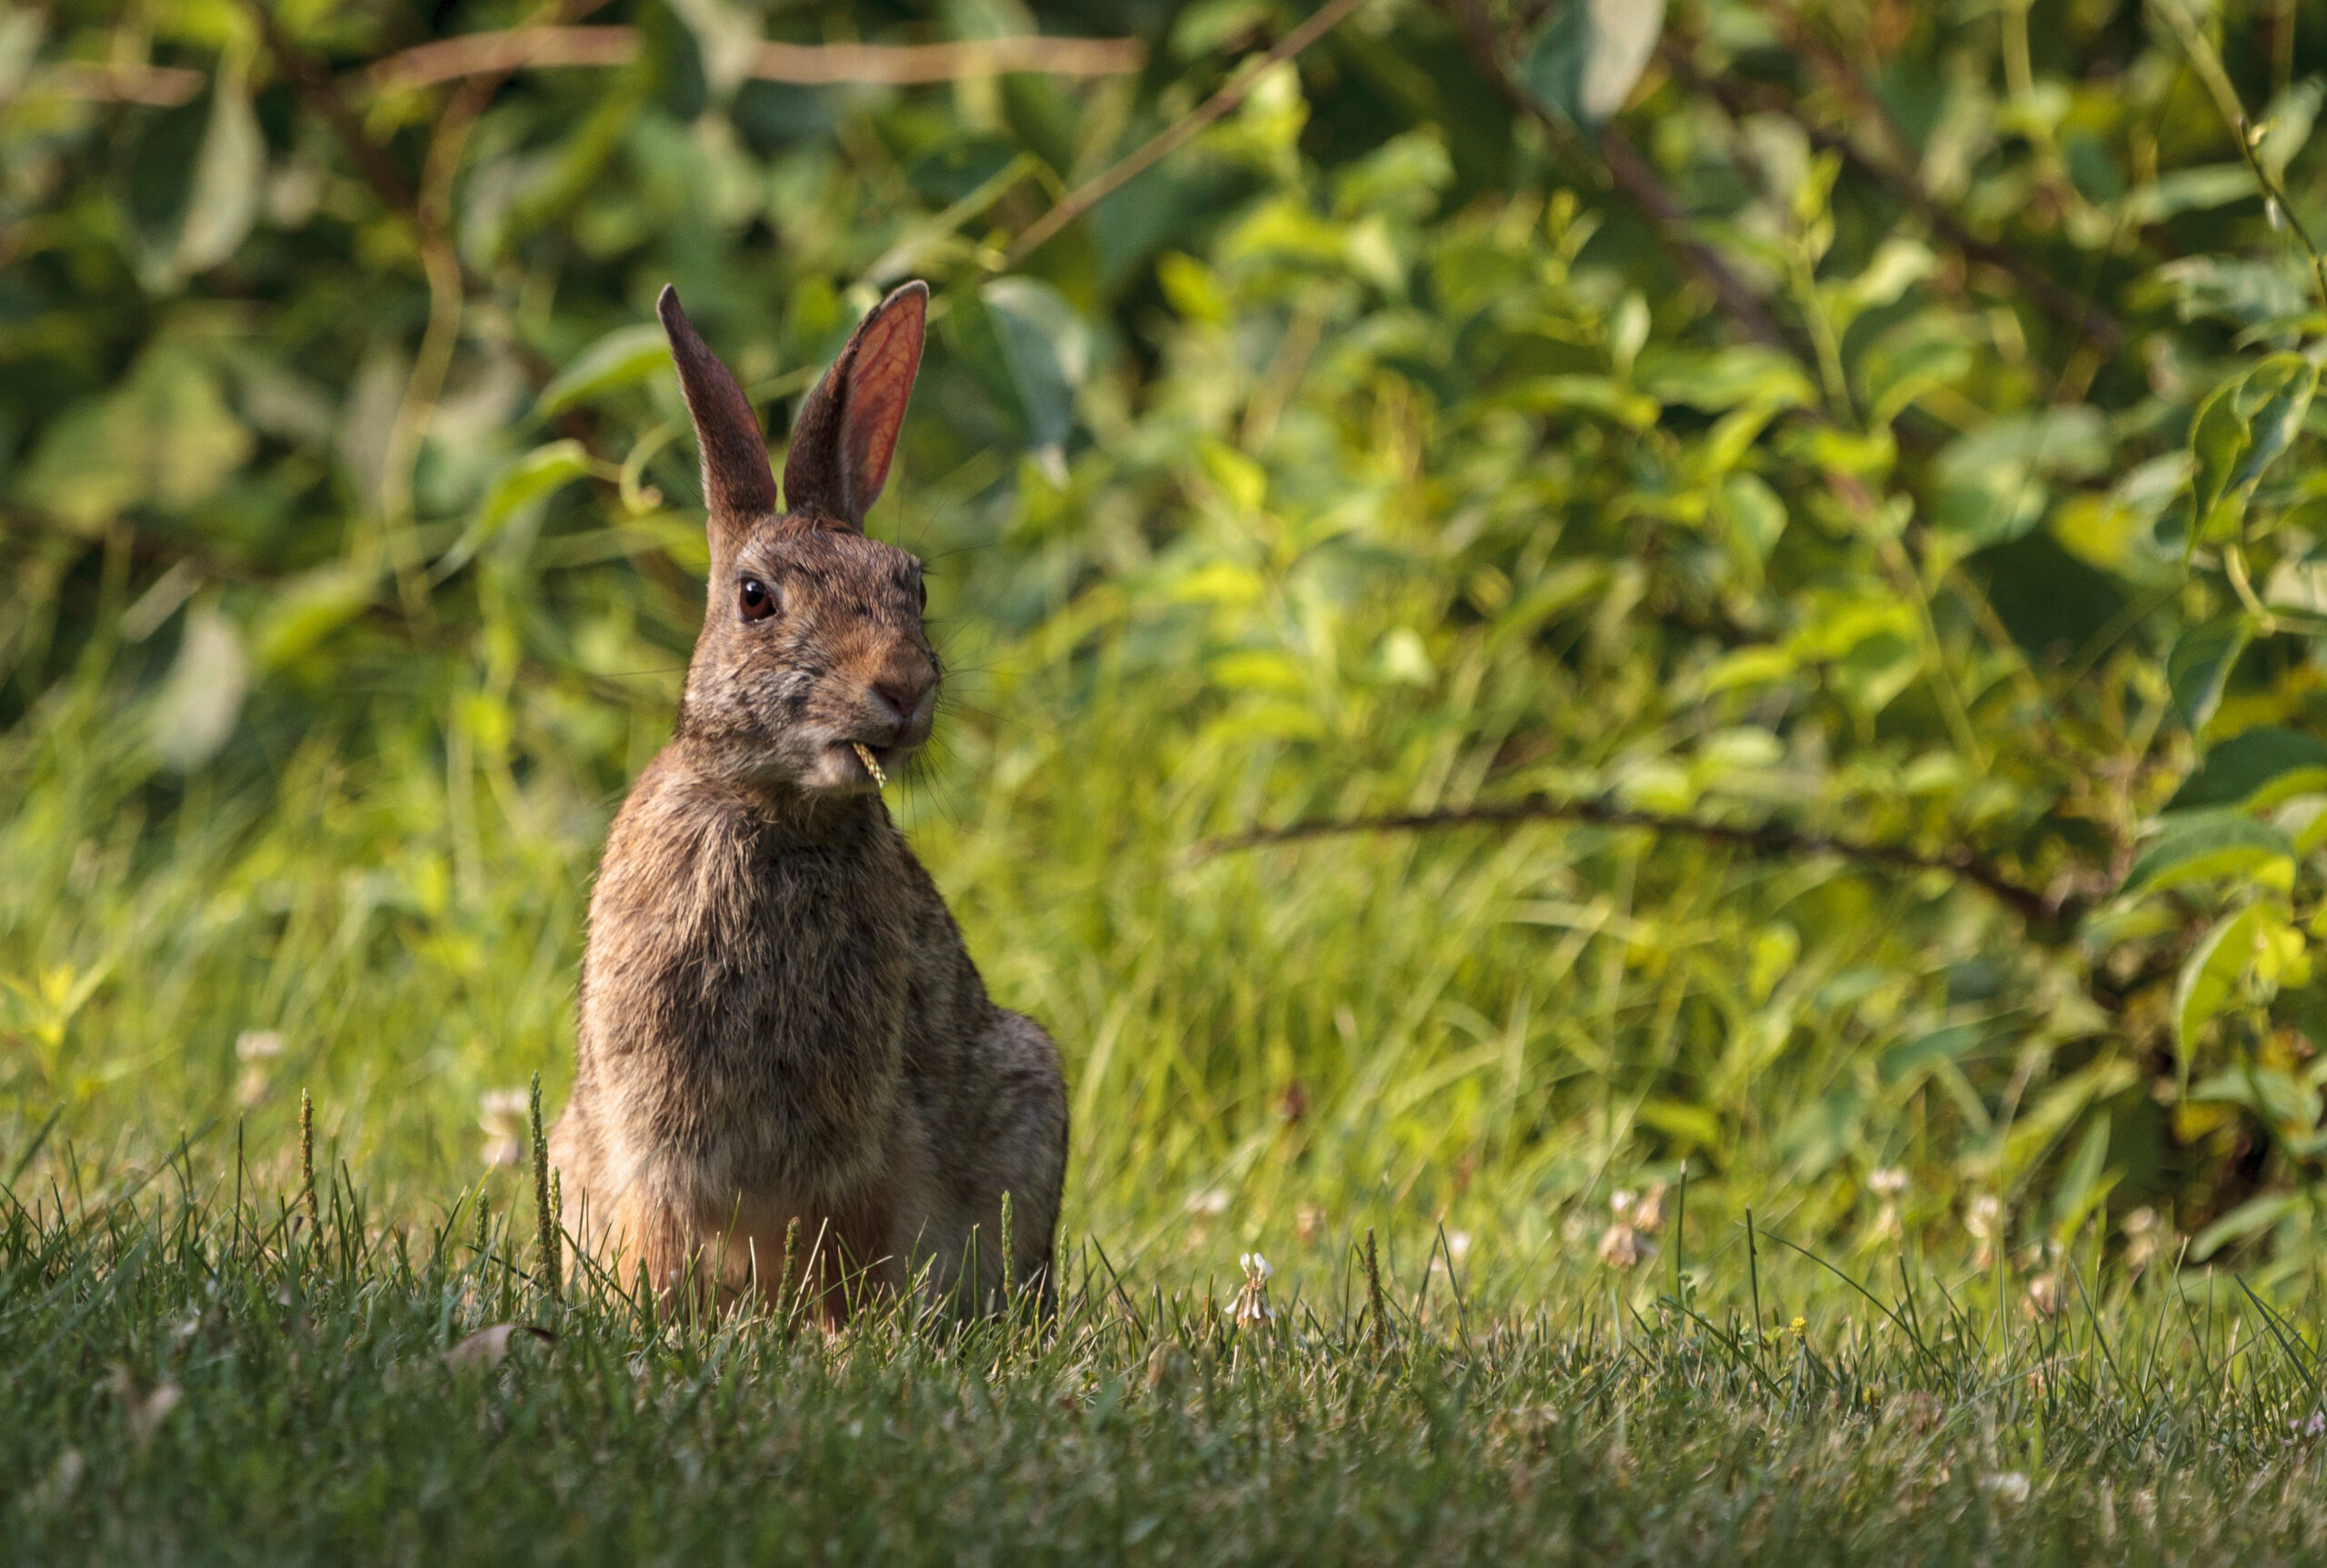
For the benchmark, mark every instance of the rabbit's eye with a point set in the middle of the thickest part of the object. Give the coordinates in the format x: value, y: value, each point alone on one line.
x: 922, y: 588
x: 757, y: 603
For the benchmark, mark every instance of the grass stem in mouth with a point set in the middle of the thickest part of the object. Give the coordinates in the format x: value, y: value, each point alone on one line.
x: 865, y: 755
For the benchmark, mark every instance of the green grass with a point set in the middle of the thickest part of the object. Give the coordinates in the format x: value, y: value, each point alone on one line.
x: 190, y: 1373
x: 1479, y: 1038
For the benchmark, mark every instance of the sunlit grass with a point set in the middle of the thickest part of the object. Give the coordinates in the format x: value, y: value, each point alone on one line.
x: 1493, y: 1030
x: 1487, y: 1050
x: 193, y: 1368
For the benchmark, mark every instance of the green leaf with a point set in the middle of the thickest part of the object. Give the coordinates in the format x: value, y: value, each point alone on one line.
x: 1754, y: 514
x: 195, y: 710
x: 2241, y: 429
x: 1913, y: 358
x: 1944, y: 1045
x: 2208, y: 979
x: 621, y: 358
x: 1733, y: 377
x: 1594, y: 395
x: 524, y: 482
x: 1751, y: 666
x: 2191, y: 190
x: 2084, y: 1185
x: 2253, y: 768
x: 229, y: 175
x: 535, y: 475
x: 165, y: 438
x: 1587, y: 56
x: 2217, y: 442
x: 2274, y: 396
x: 2276, y: 1096
x: 2199, y: 848
x: 1025, y: 343
x: 2229, y: 288
x: 2253, y: 1214
x: 1991, y: 485
x: 2286, y: 123
x: 1563, y: 587
x: 309, y: 608
x: 2200, y: 663
x: 1689, y: 1126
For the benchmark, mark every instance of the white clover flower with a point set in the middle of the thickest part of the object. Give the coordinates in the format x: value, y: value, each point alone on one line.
x: 506, y: 1115
x: 1983, y: 1218
x: 1252, y: 1301
x: 258, y: 1046
x: 2147, y: 1238
x: 1623, y: 1248
x: 1889, y: 1182
x: 1648, y: 1214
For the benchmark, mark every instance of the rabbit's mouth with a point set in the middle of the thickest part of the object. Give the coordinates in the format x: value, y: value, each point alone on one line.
x: 857, y: 767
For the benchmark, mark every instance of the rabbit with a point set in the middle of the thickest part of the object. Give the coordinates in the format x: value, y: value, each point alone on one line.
x: 778, y: 1018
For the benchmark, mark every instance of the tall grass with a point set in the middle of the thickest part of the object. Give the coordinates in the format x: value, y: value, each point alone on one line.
x: 1491, y: 1029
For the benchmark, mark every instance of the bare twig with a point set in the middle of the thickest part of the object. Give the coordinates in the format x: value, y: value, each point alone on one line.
x: 1768, y: 838
x: 2281, y: 210
x: 163, y: 86
x: 1093, y: 192
x: 2062, y: 305
x: 1639, y: 183
x: 311, y: 79
x: 902, y: 65
x: 2202, y: 59
x: 899, y: 65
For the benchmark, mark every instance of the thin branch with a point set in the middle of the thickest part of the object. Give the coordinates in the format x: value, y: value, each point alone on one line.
x: 1769, y: 838
x: 906, y: 64
x: 1638, y: 181
x: 897, y: 65
x: 163, y: 86
x: 499, y: 52
x: 2279, y: 209
x: 1634, y: 177
x: 1089, y: 195
x: 314, y: 83
x: 2062, y: 305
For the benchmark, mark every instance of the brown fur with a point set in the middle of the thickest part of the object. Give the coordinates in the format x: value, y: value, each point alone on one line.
x: 779, y: 1019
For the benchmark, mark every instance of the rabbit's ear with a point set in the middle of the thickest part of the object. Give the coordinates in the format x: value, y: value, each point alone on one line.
x: 737, y: 483
x: 847, y: 428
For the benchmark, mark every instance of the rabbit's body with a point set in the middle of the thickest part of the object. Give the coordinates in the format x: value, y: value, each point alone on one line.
x: 779, y: 1019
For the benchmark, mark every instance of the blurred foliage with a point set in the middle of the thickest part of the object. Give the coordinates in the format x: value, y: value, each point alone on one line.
x: 1881, y: 433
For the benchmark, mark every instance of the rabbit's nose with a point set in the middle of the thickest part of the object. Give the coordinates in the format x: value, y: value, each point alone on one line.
x: 900, y: 693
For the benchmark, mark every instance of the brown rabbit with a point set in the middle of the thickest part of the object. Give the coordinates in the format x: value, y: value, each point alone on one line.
x: 778, y: 1018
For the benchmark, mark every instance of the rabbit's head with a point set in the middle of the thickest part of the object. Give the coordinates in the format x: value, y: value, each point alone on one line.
x: 812, y: 642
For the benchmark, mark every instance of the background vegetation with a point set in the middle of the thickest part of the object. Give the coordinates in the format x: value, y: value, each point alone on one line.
x: 1575, y: 630
x: 1812, y: 502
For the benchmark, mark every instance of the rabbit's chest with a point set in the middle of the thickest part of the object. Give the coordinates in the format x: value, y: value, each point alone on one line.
x: 746, y: 999
x: 815, y: 976
x: 796, y: 1047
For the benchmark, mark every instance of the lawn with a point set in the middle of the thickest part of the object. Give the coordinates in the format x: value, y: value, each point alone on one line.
x: 194, y: 1374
